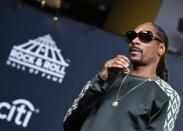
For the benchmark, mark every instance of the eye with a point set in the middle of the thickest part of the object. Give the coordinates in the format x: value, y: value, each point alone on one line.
x: 145, y: 36
x: 130, y: 35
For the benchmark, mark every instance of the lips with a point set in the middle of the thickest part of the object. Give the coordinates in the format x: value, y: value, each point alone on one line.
x: 135, y: 49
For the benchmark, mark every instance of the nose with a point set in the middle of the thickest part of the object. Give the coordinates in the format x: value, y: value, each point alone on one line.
x: 135, y: 41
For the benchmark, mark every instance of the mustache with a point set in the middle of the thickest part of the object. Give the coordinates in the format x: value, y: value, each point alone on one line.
x: 132, y: 48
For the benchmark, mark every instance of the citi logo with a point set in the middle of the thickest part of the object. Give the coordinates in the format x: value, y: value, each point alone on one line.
x: 20, y: 111
x: 40, y: 56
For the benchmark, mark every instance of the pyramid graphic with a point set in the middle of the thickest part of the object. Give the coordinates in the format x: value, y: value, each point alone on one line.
x: 40, y: 56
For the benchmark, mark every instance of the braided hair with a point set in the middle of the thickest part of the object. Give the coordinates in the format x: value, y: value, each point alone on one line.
x: 162, y: 70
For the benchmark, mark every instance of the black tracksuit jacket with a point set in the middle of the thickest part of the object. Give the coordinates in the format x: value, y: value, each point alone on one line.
x: 152, y: 106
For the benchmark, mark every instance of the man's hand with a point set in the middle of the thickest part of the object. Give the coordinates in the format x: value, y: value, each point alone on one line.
x: 120, y: 61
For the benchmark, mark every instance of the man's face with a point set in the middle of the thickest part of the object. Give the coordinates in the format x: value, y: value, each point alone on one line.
x: 142, y: 53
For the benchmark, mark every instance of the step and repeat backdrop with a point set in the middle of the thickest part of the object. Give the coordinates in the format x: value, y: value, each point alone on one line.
x: 44, y: 64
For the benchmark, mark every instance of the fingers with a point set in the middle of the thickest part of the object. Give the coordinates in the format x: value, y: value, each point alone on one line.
x: 122, y: 57
x: 119, y: 61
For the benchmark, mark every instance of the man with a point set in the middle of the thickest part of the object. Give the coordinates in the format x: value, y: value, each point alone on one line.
x: 135, y: 98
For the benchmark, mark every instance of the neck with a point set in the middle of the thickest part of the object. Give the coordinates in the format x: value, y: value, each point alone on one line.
x: 143, y: 71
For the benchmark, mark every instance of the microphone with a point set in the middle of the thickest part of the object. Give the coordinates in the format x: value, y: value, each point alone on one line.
x: 114, y: 72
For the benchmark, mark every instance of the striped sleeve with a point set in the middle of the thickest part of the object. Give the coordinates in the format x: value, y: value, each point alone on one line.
x: 173, y: 105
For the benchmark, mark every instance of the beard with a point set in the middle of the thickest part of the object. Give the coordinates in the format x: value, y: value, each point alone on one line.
x: 136, y: 62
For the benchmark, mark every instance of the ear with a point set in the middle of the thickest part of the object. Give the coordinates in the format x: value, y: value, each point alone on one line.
x: 161, y: 49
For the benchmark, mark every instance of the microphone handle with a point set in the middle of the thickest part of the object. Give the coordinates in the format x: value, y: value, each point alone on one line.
x: 113, y: 74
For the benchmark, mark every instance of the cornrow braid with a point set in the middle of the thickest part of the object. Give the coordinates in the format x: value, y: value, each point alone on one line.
x: 162, y: 70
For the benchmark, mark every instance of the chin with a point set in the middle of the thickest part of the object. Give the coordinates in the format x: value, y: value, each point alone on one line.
x: 135, y: 61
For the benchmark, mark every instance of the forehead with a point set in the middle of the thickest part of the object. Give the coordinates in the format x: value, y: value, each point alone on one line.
x: 145, y: 26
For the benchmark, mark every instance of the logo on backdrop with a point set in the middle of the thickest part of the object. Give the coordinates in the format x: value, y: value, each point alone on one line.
x: 40, y: 55
x: 20, y: 111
